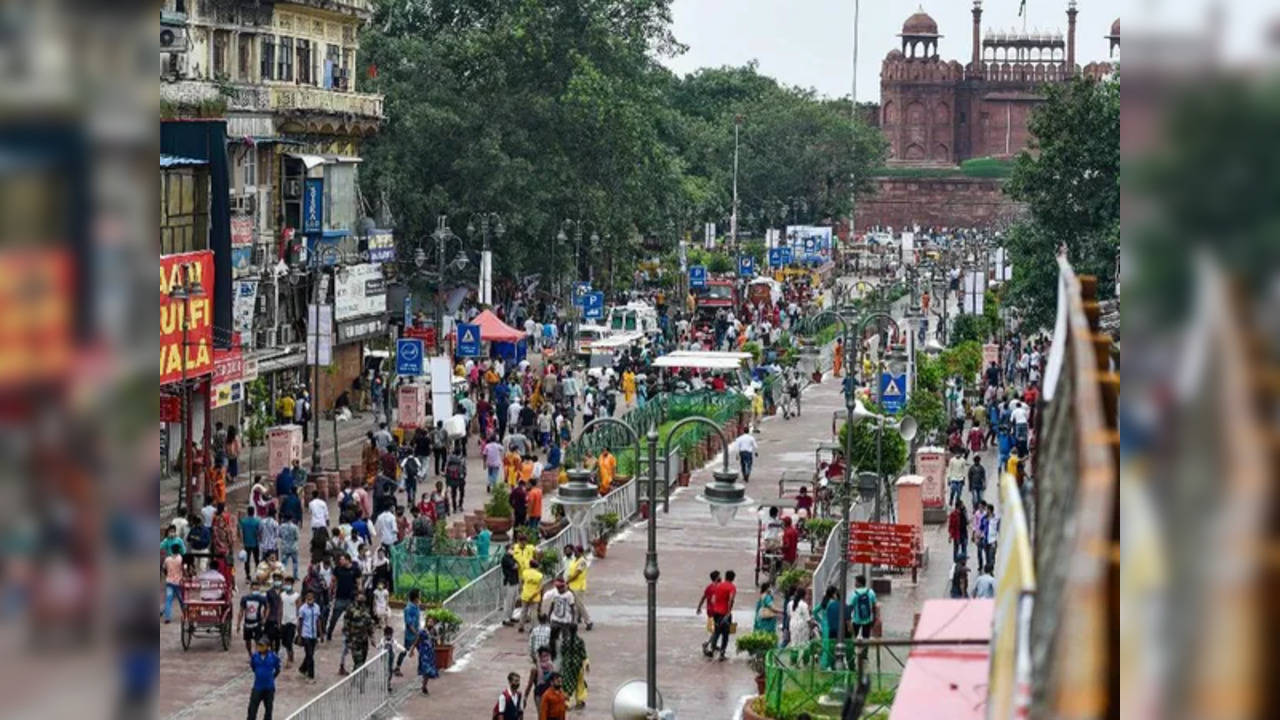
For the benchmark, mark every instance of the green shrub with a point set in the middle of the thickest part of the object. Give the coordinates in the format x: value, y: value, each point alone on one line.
x: 753, y: 347
x: 606, y: 525
x: 894, y: 449
x: 970, y: 328
x: 792, y: 579
x: 448, y: 623
x: 434, y: 587
x: 757, y: 644
x: 927, y: 408
x: 720, y: 263
x: 964, y: 360
x: 817, y: 530
x: 499, y: 504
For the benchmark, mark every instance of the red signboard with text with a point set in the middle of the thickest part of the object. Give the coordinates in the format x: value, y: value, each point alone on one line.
x: 228, y: 365
x: 882, y: 544
x: 426, y: 334
x: 195, y: 311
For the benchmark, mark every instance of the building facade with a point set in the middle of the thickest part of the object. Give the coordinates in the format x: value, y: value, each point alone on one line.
x: 937, y: 112
x: 283, y: 78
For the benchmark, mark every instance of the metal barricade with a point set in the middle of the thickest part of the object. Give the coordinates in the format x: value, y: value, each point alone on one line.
x: 356, y: 697
x: 827, y: 573
x: 478, y: 603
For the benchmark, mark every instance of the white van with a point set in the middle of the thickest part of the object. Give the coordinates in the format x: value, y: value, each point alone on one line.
x: 635, y: 316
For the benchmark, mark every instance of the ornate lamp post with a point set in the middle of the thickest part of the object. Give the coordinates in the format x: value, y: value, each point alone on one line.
x: 577, y: 264
x: 490, y: 223
x: 184, y: 292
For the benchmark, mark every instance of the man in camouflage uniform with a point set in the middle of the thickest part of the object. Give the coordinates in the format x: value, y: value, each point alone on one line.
x: 357, y: 630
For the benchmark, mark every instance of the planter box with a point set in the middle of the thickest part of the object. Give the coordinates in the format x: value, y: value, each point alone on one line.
x: 550, y: 530
x: 499, y: 527
x: 444, y: 657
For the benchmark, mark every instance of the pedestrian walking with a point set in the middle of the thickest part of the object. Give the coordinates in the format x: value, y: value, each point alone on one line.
x: 390, y: 647
x: 455, y: 477
x: 346, y: 577
x: 412, y: 623
x: 576, y: 574
x: 574, y: 666
x: 425, y: 646
x: 958, y: 530
x: 863, y: 608
x: 266, y: 667
x: 173, y: 573
x: 357, y: 630
x: 309, y: 630
x: 530, y: 593
x: 540, y: 677
x: 977, y: 480
x: 747, y: 448
x: 956, y: 473
x: 253, y: 610
x: 540, y: 637
x: 766, y: 616
x: 510, y: 585
x: 289, y: 601
x: 800, y: 623
x: 511, y: 702
x: 560, y: 607
x: 554, y: 704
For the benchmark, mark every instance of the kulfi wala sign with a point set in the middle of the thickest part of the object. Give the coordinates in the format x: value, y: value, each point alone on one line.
x: 196, y: 312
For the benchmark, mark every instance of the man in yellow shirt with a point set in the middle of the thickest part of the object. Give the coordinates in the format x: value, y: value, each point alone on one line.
x: 523, y: 553
x: 607, y: 466
x: 530, y: 593
x: 284, y: 409
x: 576, y: 574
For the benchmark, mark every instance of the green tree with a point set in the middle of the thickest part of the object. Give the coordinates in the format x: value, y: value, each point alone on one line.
x: 1070, y: 180
x: 964, y: 360
x: 893, y: 449
x: 927, y: 408
x: 970, y: 328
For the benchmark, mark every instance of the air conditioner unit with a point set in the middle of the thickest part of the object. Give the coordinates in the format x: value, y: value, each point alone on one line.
x: 251, y: 204
x: 173, y: 39
x: 293, y: 189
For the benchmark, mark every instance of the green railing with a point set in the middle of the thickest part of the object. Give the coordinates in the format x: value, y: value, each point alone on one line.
x: 436, y: 576
x: 797, y: 680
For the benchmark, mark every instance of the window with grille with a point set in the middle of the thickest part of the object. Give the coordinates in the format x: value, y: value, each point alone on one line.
x: 284, y: 68
x: 268, y: 57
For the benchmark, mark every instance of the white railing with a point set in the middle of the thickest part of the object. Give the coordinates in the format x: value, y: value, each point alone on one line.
x: 828, y: 571
x: 356, y: 697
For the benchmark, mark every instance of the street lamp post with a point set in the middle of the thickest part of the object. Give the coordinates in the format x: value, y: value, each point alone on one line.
x: 577, y: 267
x: 489, y: 221
x: 183, y: 292
x: 724, y: 494
x: 442, y: 234
x: 325, y: 255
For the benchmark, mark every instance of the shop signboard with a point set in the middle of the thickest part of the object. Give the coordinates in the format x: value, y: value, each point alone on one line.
x: 196, y: 312
x: 360, y: 290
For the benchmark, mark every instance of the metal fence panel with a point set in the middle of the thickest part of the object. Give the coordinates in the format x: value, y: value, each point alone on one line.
x: 827, y: 573
x: 356, y: 697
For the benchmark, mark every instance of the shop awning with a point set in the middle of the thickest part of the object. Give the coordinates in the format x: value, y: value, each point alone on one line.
x: 310, y: 161
x: 947, y: 681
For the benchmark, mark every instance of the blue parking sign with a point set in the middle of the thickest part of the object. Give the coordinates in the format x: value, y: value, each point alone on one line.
x: 468, y: 340
x: 593, y: 306
x: 698, y: 276
x: 746, y: 265
x: 786, y: 255
x: 409, y: 356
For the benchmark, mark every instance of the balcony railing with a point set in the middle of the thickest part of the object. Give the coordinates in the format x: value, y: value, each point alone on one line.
x: 320, y: 100
x: 268, y: 98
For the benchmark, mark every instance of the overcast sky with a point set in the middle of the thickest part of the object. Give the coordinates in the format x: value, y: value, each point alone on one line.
x: 809, y: 43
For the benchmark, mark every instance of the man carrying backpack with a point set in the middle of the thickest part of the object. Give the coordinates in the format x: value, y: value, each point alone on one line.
x: 865, y: 610
x: 411, y: 466
x: 348, y: 507
x: 455, y: 477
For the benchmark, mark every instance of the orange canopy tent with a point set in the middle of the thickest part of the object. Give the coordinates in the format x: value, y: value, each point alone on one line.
x: 494, y: 330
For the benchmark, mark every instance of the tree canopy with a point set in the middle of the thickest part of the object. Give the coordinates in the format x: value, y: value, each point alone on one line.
x: 545, y: 110
x: 1070, y: 180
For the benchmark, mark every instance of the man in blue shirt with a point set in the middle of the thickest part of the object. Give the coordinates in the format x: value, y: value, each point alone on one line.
x: 412, y: 620
x: 291, y: 508
x: 249, y: 537
x: 309, y: 631
x: 285, y: 482
x: 266, y: 666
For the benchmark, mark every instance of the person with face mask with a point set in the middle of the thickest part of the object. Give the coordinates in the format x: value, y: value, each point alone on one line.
x: 289, y: 601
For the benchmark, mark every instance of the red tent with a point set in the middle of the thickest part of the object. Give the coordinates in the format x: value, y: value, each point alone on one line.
x: 494, y: 330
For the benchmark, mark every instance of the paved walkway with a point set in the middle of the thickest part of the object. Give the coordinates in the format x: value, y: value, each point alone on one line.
x: 690, y: 545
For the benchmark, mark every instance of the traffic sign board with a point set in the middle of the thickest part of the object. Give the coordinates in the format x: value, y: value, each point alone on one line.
x: 580, y: 292
x: 593, y: 306
x: 469, y: 340
x: 409, y: 356
x: 893, y: 391
x: 746, y: 265
x: 698, y: 276
x: 775, y: 257
x: 787, y: 255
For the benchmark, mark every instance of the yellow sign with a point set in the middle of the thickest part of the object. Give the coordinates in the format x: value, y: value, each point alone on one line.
x: 1009, y: 689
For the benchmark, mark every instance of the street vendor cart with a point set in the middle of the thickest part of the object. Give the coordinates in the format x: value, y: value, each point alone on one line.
x: 206, y: 607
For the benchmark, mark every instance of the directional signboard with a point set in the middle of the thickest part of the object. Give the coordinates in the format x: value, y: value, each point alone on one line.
x: 468, y: 340
x: 746, y: 266
x: 893, y: 391
x: 580, y: 292
x: 698, y: 276
x: 409, y: 356
x: 786, y: 255
x: 775, y: 257
x: 888, y: 544
x: 811, y: 246
x: 593, y: 306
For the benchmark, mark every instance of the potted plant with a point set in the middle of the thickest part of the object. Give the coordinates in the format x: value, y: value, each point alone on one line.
x: 605, y: 526
x: 791, y: 579
x: 549, y: 562
x: 552, y: 526
x: 448, y: 623
x: 756, y: 645
x: 497, y: 512
x: 817, y: 530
